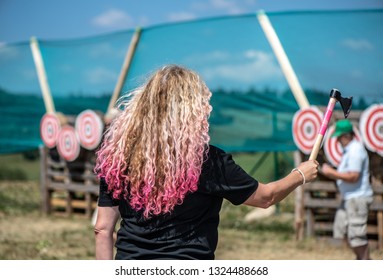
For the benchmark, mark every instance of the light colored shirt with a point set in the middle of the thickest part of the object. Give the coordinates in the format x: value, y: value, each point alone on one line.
x: 355, y: 159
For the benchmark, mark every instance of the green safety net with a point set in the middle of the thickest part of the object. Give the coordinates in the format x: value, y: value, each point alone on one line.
x: 252, y: 104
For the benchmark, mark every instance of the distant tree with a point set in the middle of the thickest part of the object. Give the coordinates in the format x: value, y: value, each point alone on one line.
x: 362, y: 104
x: 31, y: 155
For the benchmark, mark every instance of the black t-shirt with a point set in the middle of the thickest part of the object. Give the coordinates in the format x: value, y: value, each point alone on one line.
x: 190, y: 231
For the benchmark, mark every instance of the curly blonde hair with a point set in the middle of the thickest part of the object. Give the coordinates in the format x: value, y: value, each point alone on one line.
x: 153, y: 151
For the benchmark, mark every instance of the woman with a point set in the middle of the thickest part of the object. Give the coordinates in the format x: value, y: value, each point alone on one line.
x: 161, y: 176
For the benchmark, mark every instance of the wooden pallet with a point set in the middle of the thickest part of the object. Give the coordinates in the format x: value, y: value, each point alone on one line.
x: 68, y: 187
x: 321, y: 199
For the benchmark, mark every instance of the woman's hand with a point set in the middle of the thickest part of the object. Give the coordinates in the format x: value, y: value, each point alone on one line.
x: 309, y: 169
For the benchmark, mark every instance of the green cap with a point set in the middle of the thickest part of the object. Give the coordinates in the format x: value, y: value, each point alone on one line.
x: 342, y: 127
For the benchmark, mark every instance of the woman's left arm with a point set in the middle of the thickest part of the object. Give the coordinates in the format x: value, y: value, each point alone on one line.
x: 106, y: 221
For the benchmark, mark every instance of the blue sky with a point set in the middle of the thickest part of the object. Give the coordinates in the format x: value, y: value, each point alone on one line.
x: 345, y: 53
x: 48, y: 19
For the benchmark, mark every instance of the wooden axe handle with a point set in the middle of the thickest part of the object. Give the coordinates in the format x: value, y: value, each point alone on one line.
x: 323, y: 128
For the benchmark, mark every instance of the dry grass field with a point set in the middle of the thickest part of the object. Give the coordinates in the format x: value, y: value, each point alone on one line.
x: 26, y: 234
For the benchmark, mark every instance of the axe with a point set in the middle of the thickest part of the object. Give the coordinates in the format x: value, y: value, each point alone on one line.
x: 345, y: 103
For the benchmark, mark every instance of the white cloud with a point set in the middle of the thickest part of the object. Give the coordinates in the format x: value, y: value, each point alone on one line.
x: 100, y: 75
x: 357, y: 44
x: 143, y: 20
x: 225, y: 6
x: 113, y: 18
x: 230, y: 6
x: 29, y: 74
x: 211, y: 57
x: 8, y: 52
x: 106, y: 49
x: 250, y: 66
x: 180, y: 16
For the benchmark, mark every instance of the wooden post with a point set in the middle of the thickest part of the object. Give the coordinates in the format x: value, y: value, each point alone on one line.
x: 44, y: 192
x: 42, y: 76
x: 379, y: 217
x: 299, y: 205
x: 124, y: 70
x: 310, y: 223
x: 378, y: 195
x: 283, y: 60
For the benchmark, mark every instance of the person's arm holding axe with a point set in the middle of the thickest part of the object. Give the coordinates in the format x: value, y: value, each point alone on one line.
x: 273, y: 192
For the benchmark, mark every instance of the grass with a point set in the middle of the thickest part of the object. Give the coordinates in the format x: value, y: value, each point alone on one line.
x: 17, y: 167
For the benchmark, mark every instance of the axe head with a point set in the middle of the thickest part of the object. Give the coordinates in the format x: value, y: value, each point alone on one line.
x: 345, y: 102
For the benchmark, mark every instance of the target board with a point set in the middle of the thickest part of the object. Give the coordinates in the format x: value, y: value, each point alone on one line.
x: 68, y: 145
x: 371, y: 128
x: 89, y: 127
x: 332, y: 147
x: 306, y: 124
x: 49, y: 129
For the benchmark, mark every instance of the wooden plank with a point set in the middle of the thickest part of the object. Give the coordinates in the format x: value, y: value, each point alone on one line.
x: 380, y: 229
x: 74, y: 175
x: 321, y: 186
x: 378, y: 189
x: 377, y: 206
x: 75, y: 187
x: 55, y: 164
x: 320, y: 203
x: 76, y: 204
x: 328, y: 226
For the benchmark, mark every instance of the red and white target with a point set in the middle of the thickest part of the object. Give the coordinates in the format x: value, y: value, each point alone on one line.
x: 306, y: 125
x: 49, y: 129
x: 89, y: 127
x: 332, y: 147
x: 371, y: 128
x: 68, y: 145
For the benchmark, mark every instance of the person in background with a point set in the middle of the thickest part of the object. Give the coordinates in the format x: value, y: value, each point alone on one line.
x: 353, y: 181
x: 159, y: 173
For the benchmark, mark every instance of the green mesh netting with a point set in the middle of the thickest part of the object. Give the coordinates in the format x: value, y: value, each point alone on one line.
x: 252, y: 103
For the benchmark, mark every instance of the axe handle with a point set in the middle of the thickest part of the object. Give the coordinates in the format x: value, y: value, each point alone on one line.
x: 316, y: 148
x: 323, y: 128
